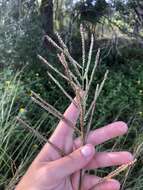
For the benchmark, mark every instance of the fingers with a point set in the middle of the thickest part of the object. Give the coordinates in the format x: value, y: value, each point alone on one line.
x: 72, y: 163
x: 106, y: 133
x: 62, y: 136
x: 106, y: 159
x: 108, y: 185
x: 91, y: 183
x: 63, y: 130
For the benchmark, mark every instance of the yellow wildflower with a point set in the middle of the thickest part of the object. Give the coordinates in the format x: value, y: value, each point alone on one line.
x: 7, y: 82
x: 30, y: 93
x: 35, y: 146
x: 22, y: 110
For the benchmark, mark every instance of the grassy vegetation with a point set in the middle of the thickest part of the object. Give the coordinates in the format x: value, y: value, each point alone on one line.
x: 17, y: 148
x: 121, y: 99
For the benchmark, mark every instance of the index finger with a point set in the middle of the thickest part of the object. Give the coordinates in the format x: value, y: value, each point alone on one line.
x: 63, y: 130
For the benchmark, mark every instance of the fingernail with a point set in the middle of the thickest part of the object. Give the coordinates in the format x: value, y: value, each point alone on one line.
x: 87, y: 151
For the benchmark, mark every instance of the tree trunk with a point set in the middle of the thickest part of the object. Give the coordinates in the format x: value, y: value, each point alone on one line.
x: 47, y: 16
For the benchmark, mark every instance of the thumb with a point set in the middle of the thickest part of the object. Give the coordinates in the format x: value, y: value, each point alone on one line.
x: 73, y: 162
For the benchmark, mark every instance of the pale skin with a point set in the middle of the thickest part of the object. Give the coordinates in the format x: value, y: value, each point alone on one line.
x: 50, y: 171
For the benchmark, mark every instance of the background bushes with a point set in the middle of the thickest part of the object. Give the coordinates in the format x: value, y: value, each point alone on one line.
x: 21, y: 39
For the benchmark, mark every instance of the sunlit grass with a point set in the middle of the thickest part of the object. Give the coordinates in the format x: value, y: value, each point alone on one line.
x: 17, y: 148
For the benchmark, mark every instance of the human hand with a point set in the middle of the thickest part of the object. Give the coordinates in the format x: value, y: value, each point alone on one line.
x: 50, y: 171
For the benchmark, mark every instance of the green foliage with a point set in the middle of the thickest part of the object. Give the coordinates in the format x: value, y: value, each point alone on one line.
x: 10, y: 91
x: 129, y: 12
x: 122, y: 97
x: 92, y: 10
x: 20, y: 33
x: 123, y: 92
